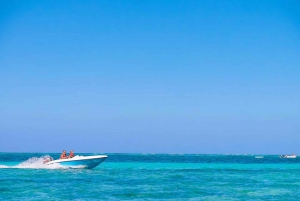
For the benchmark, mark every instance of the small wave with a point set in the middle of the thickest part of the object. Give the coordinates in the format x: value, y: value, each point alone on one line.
x: 35, y: 163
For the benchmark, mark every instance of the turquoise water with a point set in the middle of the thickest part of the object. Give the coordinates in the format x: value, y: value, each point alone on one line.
x: 152, y: 177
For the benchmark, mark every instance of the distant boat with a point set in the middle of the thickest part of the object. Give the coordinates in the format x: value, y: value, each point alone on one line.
x: 288, y: 156
x: 259, y: 156
x: 88, y: 162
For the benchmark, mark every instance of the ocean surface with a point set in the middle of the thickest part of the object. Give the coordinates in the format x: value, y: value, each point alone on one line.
x: 152, y: 177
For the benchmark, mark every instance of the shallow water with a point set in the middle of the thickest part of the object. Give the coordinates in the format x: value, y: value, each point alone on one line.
x: 152, y: 176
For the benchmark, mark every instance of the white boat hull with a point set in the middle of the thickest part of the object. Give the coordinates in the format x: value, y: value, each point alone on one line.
x: 88, y: 162
x: 293, y: 156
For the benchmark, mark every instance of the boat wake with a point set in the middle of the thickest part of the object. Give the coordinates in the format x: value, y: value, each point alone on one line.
x: 34, y: 163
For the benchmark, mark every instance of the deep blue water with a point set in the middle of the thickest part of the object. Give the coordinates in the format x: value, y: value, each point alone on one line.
x: 152, y: 176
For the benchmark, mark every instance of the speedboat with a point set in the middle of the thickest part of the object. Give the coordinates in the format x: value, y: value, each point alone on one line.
x: 288, y: 156
x: 87, y: 162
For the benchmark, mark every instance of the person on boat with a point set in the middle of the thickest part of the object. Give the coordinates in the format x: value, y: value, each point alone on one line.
x: 71, y: 155
x: 63, y: 155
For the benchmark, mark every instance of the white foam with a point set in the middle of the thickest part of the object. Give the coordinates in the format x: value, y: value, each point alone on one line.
x: 35, y: 163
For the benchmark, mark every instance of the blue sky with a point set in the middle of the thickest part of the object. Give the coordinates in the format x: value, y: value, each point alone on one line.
x: 150, y: 76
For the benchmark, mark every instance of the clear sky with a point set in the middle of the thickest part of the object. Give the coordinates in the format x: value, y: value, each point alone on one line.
x: 150, y: 76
